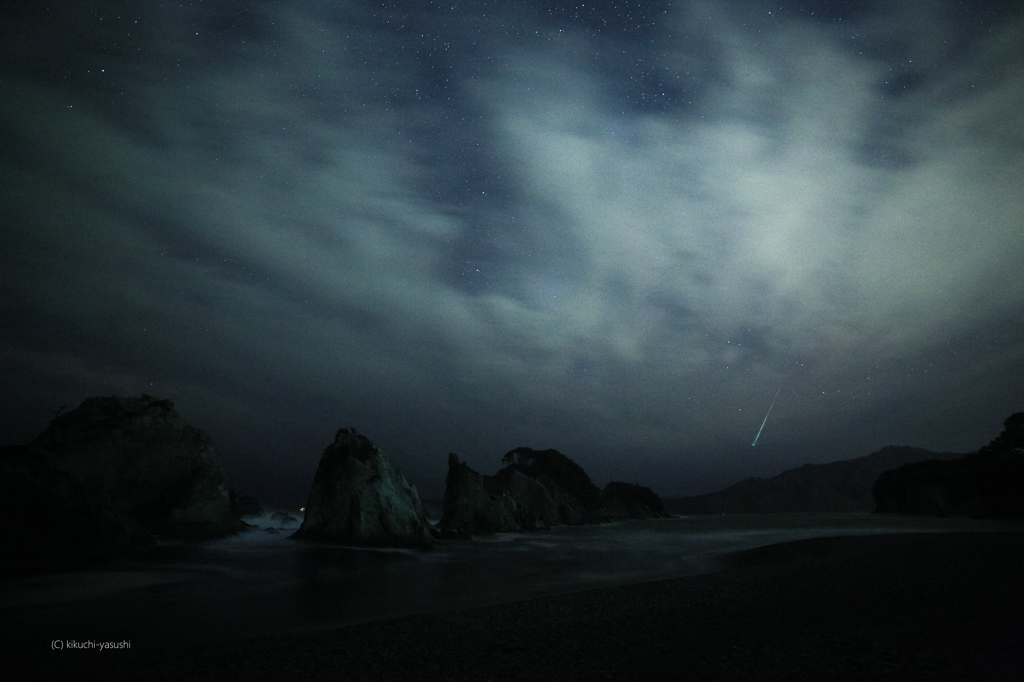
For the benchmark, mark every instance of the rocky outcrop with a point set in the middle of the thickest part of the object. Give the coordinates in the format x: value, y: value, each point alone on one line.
x: 359, y: 498
x: 536, y: 489
x: 631, y: 501
x: 999, y: 468
x: 536, y: 507
x: 113, y: 473
x: 930, y: 488
x: 986, y: 483
x: 843, y: 486
x: 507, y: 502
x: 578, y: 499
x: 469, y: 509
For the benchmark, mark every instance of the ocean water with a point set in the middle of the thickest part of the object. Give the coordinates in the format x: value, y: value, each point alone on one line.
x: 261, y: 582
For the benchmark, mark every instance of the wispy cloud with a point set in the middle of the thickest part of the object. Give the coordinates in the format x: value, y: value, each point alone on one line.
x: 279, y: 215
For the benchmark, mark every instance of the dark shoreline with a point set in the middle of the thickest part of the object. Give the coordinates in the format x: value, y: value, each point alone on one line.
x: 923, y: 606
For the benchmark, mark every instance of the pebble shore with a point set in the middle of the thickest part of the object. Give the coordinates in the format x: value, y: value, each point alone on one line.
x: 888, y: 607
x: 929, y: 606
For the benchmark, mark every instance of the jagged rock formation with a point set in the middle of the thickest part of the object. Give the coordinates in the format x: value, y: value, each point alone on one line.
x: 536, y: 489
x: 631, y: 501
x: 469, y: 509
x: 359, y: 498
x: 578, y: 499
x: 536, y: 507
x: 835, y: 487
x: 508, y: 502
x: 986, y: 483
x: 110, y: 474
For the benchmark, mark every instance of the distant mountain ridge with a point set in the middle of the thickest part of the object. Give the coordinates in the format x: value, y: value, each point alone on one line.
x: 834, y: 487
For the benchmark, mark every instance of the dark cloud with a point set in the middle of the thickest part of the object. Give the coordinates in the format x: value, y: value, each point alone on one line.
x: 616, y: 231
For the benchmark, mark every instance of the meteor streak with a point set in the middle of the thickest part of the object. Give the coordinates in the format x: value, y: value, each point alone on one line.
x: 766, y: 417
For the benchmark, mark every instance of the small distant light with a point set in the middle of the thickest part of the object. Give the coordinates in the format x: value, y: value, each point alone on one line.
x: 302, y: 509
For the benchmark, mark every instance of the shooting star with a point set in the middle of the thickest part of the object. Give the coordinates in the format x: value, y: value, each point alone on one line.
x: 766, y: 417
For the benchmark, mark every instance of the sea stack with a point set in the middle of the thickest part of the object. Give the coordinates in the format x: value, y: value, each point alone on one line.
x: 112, y: 473
x: 535, y: 490
x: 631, y: 501
x: 359, y: 498
x: 508, y: 502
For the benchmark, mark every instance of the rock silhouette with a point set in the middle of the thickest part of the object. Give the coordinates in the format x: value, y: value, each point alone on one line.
x: 508, y: 502
x: 111, y: 474
x: 359, y: 498
x: 536, y: 489
x: 631, y: 501
x: 986, y: 483
x: 578, y: 499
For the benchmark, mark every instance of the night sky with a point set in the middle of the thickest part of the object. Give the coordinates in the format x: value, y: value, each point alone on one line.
x: 613, y: 228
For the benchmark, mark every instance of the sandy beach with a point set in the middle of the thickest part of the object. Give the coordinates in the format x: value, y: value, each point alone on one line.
x: 929, y: 606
